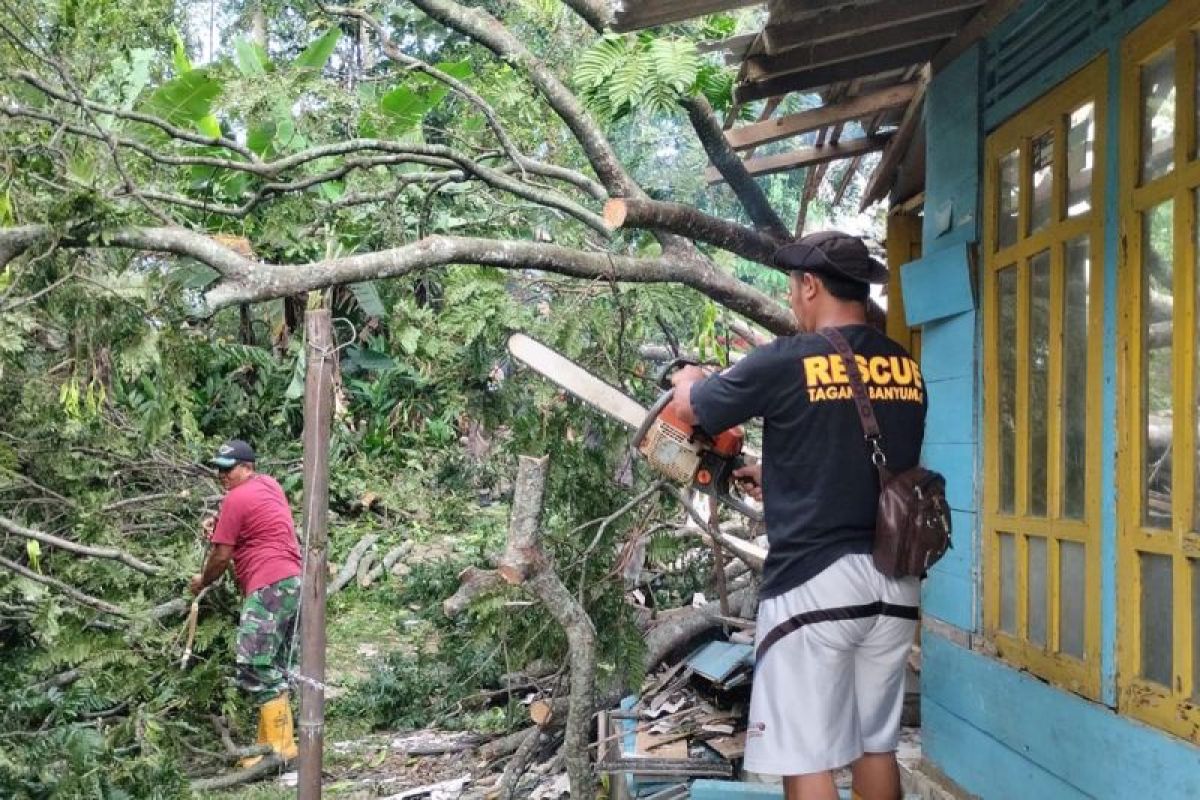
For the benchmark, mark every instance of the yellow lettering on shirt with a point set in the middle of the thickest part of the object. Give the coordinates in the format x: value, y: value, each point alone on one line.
x: 816, y: 371
x: 879, y: 371
x: 837, y: 369
x: 901, y: 370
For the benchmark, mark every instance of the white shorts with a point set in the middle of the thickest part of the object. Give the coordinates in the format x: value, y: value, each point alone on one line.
x: 833, y: 688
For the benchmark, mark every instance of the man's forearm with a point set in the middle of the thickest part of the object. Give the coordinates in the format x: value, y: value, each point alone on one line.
x: 214, y: 567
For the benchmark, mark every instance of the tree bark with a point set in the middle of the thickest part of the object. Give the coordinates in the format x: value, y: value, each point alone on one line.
x: 662, y: 639
x: 733, y: 170
x: 244, y: 280
x: 473, y: 582
x: 690, y: 222
x: 524, y: 563
x: 597, y: 13
x: 350, y: 567
x: 79, y: 549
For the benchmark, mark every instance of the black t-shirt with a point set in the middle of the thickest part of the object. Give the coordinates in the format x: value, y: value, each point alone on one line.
x: 820, y: 489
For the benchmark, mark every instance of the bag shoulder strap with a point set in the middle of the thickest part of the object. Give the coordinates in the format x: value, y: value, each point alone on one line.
x: 862, y: 401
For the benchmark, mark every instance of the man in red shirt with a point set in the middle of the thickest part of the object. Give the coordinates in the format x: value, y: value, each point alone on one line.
x: 254, y: 530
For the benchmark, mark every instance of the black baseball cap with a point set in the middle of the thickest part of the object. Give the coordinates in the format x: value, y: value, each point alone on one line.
x: 231, y: 453
x: 833, y: 253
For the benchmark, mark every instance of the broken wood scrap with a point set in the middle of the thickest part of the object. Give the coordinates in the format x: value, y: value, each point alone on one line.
x: 665, y: 746
x: 388, y: 561
x: 350, y: 567
x: 731, y: 747
x: 365, y: 565
x: 669, y: 768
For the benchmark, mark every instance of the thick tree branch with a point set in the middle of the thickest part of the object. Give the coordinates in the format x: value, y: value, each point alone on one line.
x: 597, y: 13
x: 690, y: 222
x: 524, y: 563
x: 80, y: 549
x: 473, y: 582
x: 245, y: 281
x: 733, y: 170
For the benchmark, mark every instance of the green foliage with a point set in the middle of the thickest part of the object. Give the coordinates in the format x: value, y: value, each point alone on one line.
x: 317, y: 54
x: 623, y: 73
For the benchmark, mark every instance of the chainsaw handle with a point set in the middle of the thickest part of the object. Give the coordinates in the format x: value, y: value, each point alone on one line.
x: 664, y: 375
x: 652, y: 415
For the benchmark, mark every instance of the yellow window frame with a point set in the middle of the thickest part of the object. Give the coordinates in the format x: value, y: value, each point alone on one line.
x: 1049, y: 113
x: 1168, y: 708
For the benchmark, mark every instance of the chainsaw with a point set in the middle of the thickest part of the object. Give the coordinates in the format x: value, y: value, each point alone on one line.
x: 671, y: 446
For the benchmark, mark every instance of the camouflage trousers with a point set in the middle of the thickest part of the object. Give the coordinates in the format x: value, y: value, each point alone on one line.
x: 264, y: 638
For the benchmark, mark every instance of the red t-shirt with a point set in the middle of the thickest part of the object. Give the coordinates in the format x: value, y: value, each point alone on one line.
x: 256, y: 520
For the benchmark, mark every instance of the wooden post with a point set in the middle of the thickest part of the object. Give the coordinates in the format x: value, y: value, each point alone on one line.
x: 318, y: 411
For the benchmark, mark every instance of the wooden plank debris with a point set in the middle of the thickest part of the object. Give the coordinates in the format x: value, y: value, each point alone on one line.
x: 730, y: 747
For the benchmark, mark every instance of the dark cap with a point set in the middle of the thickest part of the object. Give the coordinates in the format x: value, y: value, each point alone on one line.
x: 834, y: 253
x: 232, y: 452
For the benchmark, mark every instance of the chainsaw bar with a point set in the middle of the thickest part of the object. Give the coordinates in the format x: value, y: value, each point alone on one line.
x: 577, y: 380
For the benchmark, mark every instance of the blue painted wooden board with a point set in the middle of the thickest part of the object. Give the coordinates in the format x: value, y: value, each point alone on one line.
x: 1083, y: 743
x: 948, y: 347
x: 949, y: 596
x: 980, y: 765
x: 938, y: 285
x: 957, y: 463
x: 953, y: 145
x: 951, y: 416
x: 1050, y: 75
x: 717, y: 660
x: 737, y: 790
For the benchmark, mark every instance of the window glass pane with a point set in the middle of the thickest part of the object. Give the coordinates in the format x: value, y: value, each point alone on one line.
x: 1158, y: 115
x: 1072, y: 598
x: 1008, y: 583
x: 1009, y: 200
x: 1156, y: 618
x: 1075, y: 373
x: 1081, y: 138
x: 1006, y: 385
x: 1157, y: 314
x: 1036, y: 595
x: 1039, y: 372
x: 1196, y: 631
x: 1041, y: 210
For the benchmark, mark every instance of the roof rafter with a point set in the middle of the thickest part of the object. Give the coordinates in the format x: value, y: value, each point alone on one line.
x: 780, y: 35
x: 806, y: 156
x: 831, y: 73
x: 896, y: 37
x: 865, y: 105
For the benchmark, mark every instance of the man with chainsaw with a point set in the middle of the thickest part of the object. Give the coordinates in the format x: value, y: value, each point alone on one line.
x: 254, y: 530
x: 833, y: 633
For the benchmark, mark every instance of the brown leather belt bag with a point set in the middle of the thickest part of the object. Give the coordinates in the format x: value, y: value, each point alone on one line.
x: 912, y: 525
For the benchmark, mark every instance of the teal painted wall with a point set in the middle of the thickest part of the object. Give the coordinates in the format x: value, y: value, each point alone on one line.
x: 1003, y: 734
x: 996, y: 731
x: 939, y: 292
